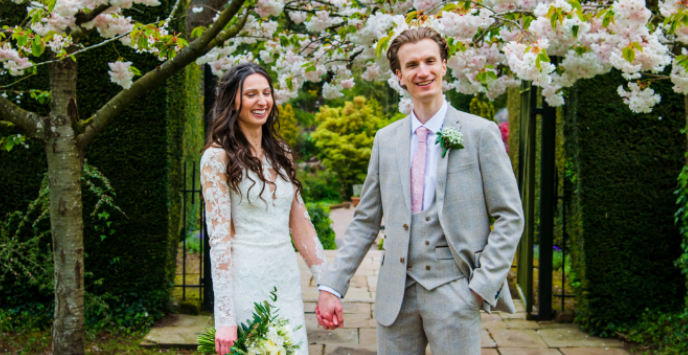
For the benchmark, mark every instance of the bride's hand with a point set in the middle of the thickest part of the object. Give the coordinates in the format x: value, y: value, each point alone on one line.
x: 225, y: 338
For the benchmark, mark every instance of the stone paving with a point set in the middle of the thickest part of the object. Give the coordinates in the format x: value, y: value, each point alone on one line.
x: 505, y: 334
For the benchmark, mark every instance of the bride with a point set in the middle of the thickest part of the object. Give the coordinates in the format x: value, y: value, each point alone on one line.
x: 253, y: 203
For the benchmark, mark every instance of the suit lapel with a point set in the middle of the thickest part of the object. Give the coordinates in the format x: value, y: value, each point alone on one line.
x: 450, y: 120
x: 403, y: 139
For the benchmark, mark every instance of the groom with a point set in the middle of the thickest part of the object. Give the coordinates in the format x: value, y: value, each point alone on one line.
x: 442, y: 261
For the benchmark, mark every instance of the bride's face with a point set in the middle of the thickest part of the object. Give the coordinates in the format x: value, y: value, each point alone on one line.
x: 255, y: 101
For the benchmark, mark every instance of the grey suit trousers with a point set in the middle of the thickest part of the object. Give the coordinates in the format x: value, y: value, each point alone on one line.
x: 448, y: 318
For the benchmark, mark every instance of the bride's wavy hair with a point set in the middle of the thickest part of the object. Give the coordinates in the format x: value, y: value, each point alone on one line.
x: 225, y: 132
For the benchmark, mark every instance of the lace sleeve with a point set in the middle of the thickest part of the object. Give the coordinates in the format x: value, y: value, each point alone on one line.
x: 305, y: 238
x: 218, y: 208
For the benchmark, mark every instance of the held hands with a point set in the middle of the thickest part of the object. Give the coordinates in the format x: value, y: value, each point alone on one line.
x: 329, y: 311
x: 225, y: 338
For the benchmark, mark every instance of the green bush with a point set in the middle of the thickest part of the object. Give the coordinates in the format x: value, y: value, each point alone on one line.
x: 661, y: 333
x: 623, y: 240
x: 681, y: 219
x: 345, y: 139
x: 319, y: 185
x: 320, y: 217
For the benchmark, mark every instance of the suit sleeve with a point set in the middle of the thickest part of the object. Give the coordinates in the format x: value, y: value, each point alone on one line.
x: 362, y: 231
x: 504, y: 205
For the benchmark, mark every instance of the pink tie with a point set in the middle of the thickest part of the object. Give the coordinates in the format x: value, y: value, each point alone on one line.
x: 418, y: 170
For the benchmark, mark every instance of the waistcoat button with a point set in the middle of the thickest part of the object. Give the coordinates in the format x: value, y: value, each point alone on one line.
x: 405, y: 227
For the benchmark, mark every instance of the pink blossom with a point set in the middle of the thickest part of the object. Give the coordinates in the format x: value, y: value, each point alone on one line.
x: 121, y: 74
x: 348, y: 83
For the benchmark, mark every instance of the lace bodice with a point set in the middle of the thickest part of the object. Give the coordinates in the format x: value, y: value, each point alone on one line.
x: 236, y: 219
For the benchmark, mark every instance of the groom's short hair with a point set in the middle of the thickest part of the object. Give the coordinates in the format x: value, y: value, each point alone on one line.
x: 413, y: 35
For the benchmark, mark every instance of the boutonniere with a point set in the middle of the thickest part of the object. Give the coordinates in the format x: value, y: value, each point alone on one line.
x: 449, y: 138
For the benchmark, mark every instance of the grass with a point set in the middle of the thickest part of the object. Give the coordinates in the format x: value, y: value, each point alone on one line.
x: 38, y: 343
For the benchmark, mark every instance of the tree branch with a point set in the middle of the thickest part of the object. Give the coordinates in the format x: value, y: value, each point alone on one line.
x: 83, y: 17
x: 154, y: 77
x: 227, y: 33
x: 30, y: 122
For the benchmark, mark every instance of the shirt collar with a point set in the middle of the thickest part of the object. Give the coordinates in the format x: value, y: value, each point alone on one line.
x: 434, y: 124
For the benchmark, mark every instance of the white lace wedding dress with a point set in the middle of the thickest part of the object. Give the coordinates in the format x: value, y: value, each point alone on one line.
x: 250, y: 244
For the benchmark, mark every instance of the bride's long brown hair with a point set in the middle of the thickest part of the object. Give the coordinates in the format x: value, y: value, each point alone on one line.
x: 225, y: 132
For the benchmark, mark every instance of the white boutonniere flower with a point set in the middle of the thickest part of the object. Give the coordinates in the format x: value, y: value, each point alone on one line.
x: 449, y: 138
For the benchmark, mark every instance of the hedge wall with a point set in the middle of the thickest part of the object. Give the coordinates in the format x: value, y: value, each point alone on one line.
x: 142, y: 153
x: 621, y: 178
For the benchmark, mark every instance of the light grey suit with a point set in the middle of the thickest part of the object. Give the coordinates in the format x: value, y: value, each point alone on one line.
x: 472, y: 184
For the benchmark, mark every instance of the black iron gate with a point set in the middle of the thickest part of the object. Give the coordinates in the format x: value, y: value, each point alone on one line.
x: 529, y: 111
x: 204, y: 283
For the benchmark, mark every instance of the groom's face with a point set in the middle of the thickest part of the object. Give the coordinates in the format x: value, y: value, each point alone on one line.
x: 421, y: 69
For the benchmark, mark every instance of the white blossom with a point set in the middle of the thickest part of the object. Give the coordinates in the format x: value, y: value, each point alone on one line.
x: 121, y: 73
x: 638, y: 99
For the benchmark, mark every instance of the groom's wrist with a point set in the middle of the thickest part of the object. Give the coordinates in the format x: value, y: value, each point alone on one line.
x: 329, y: 290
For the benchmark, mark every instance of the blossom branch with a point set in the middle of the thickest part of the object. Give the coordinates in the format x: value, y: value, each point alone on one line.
x: 228, y: 32
x: 83, y: 17
x: 144, y: 84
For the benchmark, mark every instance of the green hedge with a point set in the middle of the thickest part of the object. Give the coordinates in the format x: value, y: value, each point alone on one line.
x: 142, y: 152
x: 622, y: 174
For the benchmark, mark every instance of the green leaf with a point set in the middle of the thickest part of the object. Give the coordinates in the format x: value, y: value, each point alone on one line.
x: 381, y: 45
x: 629, y: 54
x: 575, y: 29
x: 527, y: 20
x: 575, y: 4
x: 198, y: 31
x: 135, y: 70
x: 37, y: 47
x: 410, y: 16
x: 682, y: 60
x: 608, y: 17
x: 449, y: 7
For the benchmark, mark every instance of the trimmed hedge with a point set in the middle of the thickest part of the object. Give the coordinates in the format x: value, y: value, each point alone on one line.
x: 142, y: 153
x: 622, y: 176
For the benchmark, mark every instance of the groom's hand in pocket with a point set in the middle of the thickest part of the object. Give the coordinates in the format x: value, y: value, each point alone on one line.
x: 225, y: 338
x: 329, y: 311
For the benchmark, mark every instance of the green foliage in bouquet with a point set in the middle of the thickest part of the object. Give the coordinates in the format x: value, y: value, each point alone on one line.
x: 266, y: 333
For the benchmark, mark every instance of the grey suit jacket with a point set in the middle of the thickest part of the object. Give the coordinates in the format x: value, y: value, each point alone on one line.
x: 473, y: 183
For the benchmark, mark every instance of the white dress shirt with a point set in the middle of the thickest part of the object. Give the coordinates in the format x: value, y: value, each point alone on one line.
x: 434, y: 124
x: 433, y: 152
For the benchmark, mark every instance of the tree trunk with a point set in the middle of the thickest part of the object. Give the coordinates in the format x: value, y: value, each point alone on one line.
x: 66, y: 220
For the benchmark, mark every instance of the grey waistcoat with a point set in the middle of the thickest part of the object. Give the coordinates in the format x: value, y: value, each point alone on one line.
x: 431, y: 263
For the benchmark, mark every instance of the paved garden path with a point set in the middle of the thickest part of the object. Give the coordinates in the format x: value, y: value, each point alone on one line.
x: 503, y: 334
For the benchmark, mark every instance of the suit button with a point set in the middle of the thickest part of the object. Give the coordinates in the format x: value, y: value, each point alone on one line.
x: 402, y: 260
x: 427, y: 242
x: 409, y: 266
x: 427, y: 219
x: 405, y: 227
x: 427, y: 267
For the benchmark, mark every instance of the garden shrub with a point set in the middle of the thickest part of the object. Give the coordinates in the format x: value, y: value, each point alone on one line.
x: 622, y: 168
x: 345, y: 139
x: 320, y: 217
x: 661, y: 333
x: 319, y: 185
x: 681, y: 219
x: 287, y: 125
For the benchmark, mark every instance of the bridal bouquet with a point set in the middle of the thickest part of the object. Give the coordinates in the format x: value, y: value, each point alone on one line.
x: 266, y: 334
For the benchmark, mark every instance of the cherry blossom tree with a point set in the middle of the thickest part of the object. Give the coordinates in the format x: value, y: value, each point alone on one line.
x: 494, y: 44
